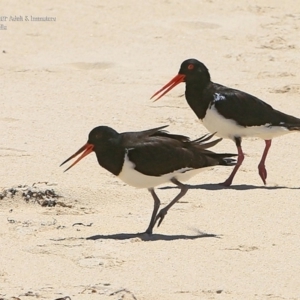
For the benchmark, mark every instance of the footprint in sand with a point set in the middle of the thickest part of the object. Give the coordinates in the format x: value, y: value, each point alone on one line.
x: 291, y: 88
x: 92, y: 66
x: 198, y: 25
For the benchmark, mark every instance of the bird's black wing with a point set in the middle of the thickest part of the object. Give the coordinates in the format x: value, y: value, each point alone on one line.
x: 132, y: 139
x: 160, y: 155
x: 247, y: 110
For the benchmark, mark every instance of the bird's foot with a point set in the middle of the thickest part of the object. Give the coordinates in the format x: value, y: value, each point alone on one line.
x: 262, y: 173
x: 148, y: 231
x: 227, y: 182
x: 160, y: 216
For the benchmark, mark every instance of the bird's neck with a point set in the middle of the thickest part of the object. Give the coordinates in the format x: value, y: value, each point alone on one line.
x: 111, y: 158
x: 195, y: 96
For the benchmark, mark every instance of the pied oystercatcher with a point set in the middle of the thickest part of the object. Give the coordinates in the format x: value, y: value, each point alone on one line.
x: 152, y: 157
x: 230, y: 113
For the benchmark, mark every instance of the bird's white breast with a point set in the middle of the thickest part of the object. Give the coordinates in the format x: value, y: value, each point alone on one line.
x: 134, y: 178
x: 228, y: 128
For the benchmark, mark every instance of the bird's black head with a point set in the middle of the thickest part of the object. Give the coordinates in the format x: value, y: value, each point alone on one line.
x: 99, y: 137
x: 194, y: 71
x: 191, y: 71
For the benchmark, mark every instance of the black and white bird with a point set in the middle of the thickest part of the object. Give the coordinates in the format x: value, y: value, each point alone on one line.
x: 230, y: 113
x: 150, y: 158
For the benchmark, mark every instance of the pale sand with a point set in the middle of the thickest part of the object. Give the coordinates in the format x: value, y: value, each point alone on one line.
x: 99, y: 63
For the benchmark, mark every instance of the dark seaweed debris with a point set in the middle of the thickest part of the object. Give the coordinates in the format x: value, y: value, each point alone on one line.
x: 39, y: 193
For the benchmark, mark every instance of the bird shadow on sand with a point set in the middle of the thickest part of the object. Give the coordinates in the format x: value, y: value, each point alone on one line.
x: 152, y: 237
x: 242, y: 187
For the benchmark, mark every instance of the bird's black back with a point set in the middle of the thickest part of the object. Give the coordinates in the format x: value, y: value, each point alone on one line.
x: 162, y: 153
x: 246, y: 109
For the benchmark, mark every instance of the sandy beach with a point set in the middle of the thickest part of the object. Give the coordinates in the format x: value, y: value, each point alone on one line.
x: 68, y: 67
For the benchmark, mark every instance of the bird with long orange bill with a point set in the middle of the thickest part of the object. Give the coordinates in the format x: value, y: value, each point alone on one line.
x: 230, y: 113
x: 150, y: 158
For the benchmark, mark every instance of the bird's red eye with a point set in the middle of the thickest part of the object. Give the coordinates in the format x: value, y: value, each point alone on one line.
x: 190, y: 66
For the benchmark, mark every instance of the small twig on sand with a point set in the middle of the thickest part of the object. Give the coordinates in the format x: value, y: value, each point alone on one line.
x: 123, y: 290
x: 89, y: 225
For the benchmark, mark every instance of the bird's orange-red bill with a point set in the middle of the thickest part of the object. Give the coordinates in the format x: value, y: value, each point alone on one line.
x: 172, y: 83
x: 86, y: 149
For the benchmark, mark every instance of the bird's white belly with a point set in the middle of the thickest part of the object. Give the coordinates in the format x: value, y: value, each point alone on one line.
x: 228, y: 128
x: 134, y: 178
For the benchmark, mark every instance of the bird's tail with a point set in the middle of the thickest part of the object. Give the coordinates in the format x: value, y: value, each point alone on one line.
x: 292, y: 126
x: 201, y: 141
x: 223, y: 159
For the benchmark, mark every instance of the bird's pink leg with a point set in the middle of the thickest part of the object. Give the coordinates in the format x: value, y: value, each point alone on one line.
x: 240, y: 159
x: 261, y: 167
